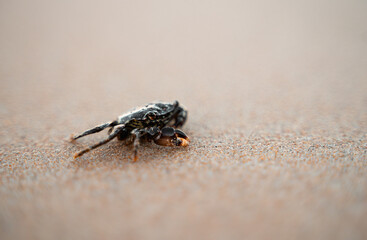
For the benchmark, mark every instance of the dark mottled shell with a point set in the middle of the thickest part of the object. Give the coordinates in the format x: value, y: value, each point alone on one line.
x: 136, y: 118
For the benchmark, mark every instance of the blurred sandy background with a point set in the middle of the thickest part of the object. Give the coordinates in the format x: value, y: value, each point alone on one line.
x: 277, y: 100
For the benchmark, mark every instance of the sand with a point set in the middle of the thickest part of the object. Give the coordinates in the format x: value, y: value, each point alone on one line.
x: 277, y: 101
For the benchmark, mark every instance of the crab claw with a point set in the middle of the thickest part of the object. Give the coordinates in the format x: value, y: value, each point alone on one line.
x: 181, y: 134
x: 182, y: 139
x: 182, y: 142
x: 172, y: 137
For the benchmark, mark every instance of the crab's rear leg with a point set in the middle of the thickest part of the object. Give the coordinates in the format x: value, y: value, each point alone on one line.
x: 95, y: 129
x: 114, y: 134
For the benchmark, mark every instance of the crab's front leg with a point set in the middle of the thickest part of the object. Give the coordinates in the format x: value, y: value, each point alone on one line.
x: 168, y: 136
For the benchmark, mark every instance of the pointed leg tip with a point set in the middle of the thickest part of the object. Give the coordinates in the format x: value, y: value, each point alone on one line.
x: 72, y: 138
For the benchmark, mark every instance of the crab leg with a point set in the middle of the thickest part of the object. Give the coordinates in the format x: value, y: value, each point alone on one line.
x: 109, y: 138
x: 95, y: 129
x: 180, y: 117
x: 138, y: 135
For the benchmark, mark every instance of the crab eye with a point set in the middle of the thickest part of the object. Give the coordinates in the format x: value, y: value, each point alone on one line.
x: 151, y: 115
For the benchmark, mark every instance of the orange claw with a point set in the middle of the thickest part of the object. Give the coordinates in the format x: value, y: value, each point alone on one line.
x: 184, y: 142
x: 171, y: 137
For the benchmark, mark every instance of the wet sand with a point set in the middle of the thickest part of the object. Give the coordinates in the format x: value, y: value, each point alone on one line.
x: 277, y: 100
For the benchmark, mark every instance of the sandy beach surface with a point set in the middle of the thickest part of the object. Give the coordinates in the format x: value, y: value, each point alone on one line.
x: 277, y: 99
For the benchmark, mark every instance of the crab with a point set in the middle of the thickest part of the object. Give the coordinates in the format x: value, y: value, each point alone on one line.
x: 155, y: 122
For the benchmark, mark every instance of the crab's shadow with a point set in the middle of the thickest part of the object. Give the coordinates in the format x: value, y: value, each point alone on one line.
x: 117, y: 154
